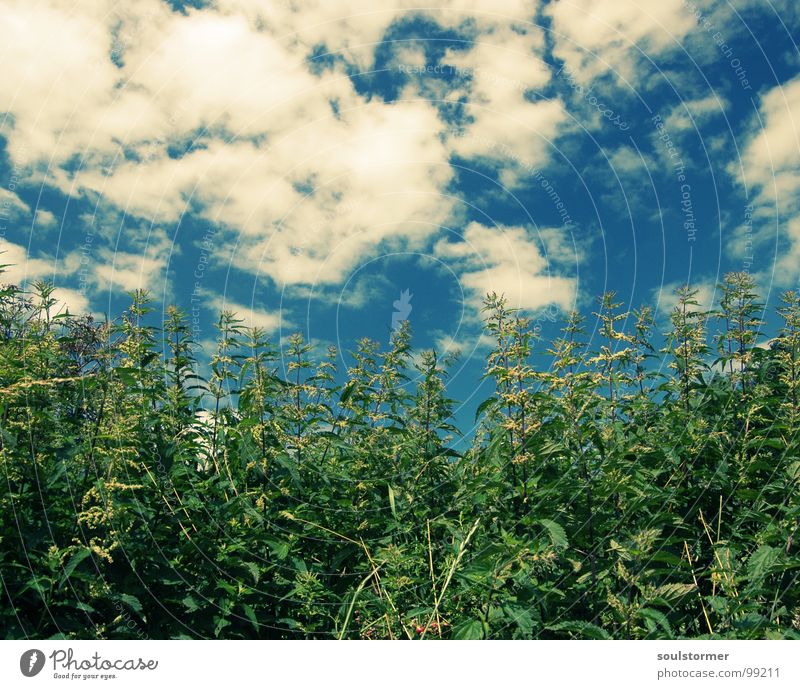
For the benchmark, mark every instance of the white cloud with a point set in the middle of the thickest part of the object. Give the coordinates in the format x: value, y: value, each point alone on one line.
x: 770, y: 167
x: 667, y: 300
x: 12, y: 207
x: 626, y: 161
x: 127, y: 271
x: 143, y: 267
x: 251, y: 316
x: 308, y: 175
x: 353, y: 27
x: 771, y: 160
x: 787, y: 266
x: 465, y: 345
x: 505, y: 66
x: 507, y: 260
x: 44, y: 219
x: 22, y: 270
x: 376, y: 169
x: 59, y: 83
x: 72, y: 299
x: 692, y: 114
x: 595, y: 37
x: 212, y: 70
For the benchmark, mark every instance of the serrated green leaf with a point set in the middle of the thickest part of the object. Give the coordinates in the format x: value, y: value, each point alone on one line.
x: 558, y: 537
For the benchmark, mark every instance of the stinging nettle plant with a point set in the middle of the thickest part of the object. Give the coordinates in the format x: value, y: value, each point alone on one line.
x: 275, y: 492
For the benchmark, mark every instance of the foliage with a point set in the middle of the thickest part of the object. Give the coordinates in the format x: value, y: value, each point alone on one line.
x: 279, y: 497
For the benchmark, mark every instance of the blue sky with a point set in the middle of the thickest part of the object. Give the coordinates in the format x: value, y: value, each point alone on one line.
x: 303, y: 163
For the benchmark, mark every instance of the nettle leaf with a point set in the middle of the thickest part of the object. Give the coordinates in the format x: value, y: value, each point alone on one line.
x: 485, y: 406
x: 673, y: 592
x: 290, y: 464
x: 280, y: 549
x: 228, y: 588
x: 75, y: 559
x: 132, y: 602
x: 760, y: 562
x: 522, y: 617
x: 581, y: 630
x: 347, y: 392
x: 470, y: 629
x: 254, y: 570
x: 558, y: 536
x: 221, y: 623
x: 654, y: 619
x: 250, y: 614
x: 190, y: 603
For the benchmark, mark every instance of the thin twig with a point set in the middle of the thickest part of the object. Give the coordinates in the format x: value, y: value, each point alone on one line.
x: 697, y: 586
x: 461, y: 550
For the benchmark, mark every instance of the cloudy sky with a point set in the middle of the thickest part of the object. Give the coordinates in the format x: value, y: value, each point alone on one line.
x: 305, y: 161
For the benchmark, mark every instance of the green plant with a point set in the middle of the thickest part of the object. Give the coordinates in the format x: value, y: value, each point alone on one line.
x: 280, y: 496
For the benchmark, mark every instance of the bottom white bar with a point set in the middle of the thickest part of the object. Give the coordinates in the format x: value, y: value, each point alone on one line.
x: 355, y: 664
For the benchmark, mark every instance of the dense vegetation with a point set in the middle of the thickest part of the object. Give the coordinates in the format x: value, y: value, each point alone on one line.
x: 625, y: 492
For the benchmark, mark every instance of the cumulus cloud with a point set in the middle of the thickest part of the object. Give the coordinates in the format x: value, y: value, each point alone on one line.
x: 506, y: 73
x: 597, y: 37
x: 667, y: 300
x: 463, y: 344
x: 19, y: 267
x: 60, y: 85
x: 786, y: 267
x: 110, y: 269
x: 218, y: 114
x: 23, y: 269
x: 509, y: 261
x: 628, y: 161
x: 313, y: 174
x: 352, y: 28
x: 694, y: 113
x: 250, y: 316
x: 770, y: 169
x: 12, y: 207
x: 771, y: 160
x: 73, y: 300
x: 44, y: 219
